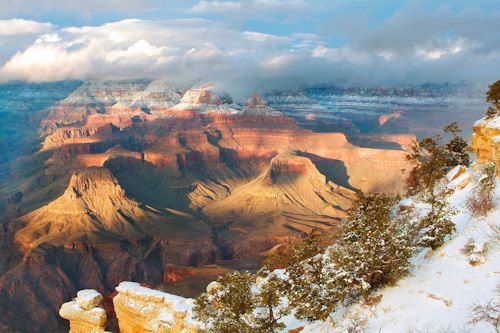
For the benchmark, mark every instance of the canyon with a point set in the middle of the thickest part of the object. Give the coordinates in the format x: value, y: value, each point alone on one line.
x: 152, y: 182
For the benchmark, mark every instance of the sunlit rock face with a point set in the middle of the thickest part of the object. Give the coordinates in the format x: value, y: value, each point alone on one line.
x: 85, y: 312
x: 485, y: 141
x: 142, y: 310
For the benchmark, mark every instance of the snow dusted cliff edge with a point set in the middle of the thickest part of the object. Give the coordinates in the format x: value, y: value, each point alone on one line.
x: 437, y: 296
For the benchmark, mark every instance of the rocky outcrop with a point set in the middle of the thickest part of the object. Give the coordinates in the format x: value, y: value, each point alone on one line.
x: 458, y: 178
x: 485, y: 141
x: 143, y: 310
x: 85, y: 313
x: 204, y: 100
x: 257, y: 106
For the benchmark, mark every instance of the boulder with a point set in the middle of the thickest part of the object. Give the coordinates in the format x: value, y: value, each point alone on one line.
x: 88, y: 299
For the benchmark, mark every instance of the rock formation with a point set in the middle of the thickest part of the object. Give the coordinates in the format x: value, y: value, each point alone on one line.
x: 204, y: 100
x: 143, y: 310
x: 257, y: 106
x: 458, y: 178
x: 485, y: 141
x: 94, y: 209
x: 85, y: 312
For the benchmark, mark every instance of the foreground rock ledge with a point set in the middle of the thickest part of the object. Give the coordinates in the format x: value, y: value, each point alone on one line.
x: 85, y: 313
x: 141, y: 310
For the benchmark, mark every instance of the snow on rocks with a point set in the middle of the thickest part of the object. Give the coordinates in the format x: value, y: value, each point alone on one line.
x: 85, y: 313
x: 458, y: 178
x: 455, y: 172
x: 140, y: 309
x: 88, y: 299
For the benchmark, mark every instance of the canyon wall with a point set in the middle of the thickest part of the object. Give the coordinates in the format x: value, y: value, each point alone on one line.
x: 132, y: 181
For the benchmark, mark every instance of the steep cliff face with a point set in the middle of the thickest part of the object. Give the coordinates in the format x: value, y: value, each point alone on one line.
x: 485, y: 141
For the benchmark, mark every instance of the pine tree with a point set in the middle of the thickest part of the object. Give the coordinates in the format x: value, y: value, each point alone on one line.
x: 312, y: 288
x: 493, y: 97
x: 493, y: 94
x: 457, y: 148
x: 374, y: 248
x: 491, y: 112
x: 269, y: 301
x: 232, y: 306
x: 311, y: 291
x: 229, y: 307
x: 430, y: 161
x: 436, y: 225
x: 296, y: 251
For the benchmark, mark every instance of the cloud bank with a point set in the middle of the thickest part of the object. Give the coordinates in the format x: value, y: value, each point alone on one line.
x: 412, y: 46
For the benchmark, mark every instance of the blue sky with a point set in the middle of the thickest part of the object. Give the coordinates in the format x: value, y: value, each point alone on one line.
x: 258, y: 41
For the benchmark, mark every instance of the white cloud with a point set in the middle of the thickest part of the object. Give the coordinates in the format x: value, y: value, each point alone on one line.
x: 215, y: 7
x: 187, y: 50
x: 436, y: 49
x: 22, y: 27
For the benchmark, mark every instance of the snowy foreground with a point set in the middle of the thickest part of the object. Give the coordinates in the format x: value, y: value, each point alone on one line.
x: 438, y: 294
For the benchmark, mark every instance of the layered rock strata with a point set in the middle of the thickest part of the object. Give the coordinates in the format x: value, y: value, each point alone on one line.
x: 485, y: 141
x: 144, y: 310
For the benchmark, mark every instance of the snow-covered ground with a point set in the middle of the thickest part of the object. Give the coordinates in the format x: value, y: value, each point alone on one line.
x: 438, y: 294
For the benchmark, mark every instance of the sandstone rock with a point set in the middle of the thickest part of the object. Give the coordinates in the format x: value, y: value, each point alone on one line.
x: 95, y: 207
x: 458, y: 178
x: 85, y: 313
x: 485, y: 141
x: 460, y: 181
x: 88, y: 299
x: 143, y: 310
x: 455, y: 172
